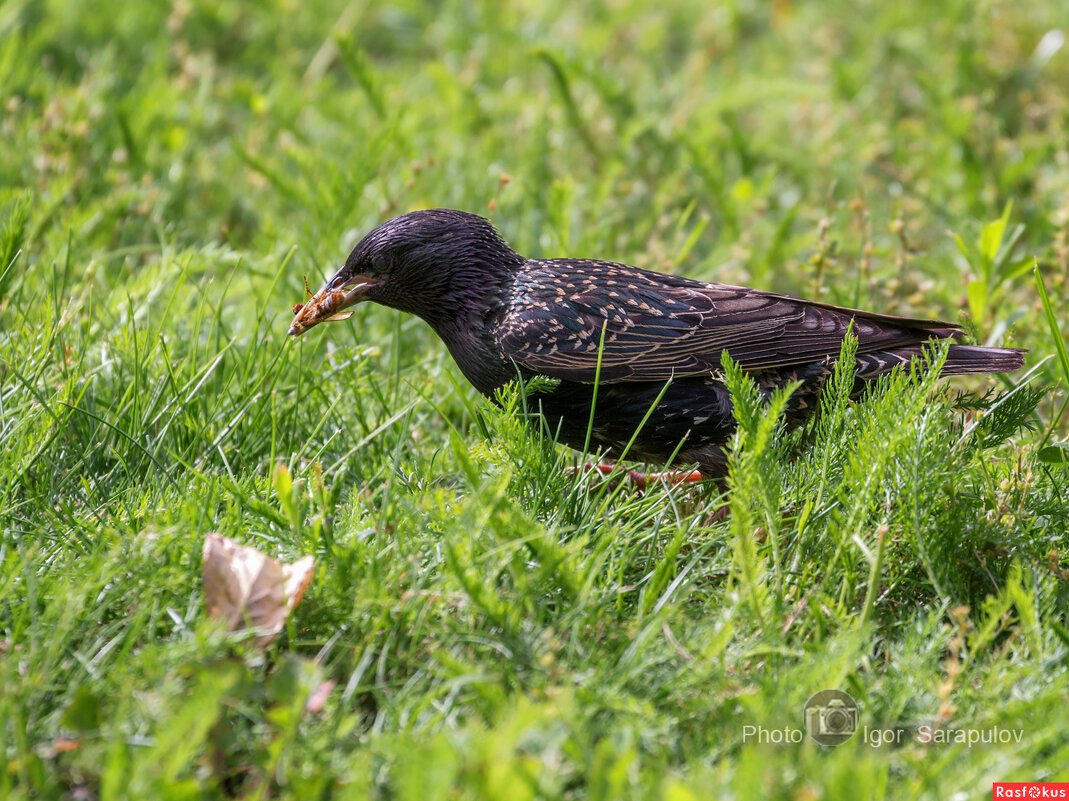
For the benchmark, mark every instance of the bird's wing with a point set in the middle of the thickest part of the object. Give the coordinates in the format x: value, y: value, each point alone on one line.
x: 658, y: 326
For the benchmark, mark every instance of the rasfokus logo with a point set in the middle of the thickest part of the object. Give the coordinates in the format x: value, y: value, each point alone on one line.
x: 1029, y: 790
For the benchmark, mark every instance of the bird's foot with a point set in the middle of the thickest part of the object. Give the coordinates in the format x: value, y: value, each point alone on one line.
x: 718, y: 515
x: 642, y: 481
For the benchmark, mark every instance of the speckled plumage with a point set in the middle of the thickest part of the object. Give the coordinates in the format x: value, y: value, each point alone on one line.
x: 500, y: 314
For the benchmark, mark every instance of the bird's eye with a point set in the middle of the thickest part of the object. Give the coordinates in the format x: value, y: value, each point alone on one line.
x: 378, y: 261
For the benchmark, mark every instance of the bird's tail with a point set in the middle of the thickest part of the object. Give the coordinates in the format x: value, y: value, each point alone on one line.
x: 961, y: 360
x: 970, y: 359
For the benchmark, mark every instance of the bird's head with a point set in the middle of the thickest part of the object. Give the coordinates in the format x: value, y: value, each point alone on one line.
x: 436, y: 264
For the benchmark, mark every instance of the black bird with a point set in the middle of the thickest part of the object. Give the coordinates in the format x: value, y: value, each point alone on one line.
x: 501, y: 315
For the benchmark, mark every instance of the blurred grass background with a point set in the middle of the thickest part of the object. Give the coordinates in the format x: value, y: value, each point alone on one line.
x: 170, y: 173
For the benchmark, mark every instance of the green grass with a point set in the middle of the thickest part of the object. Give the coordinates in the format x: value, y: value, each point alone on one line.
x: 495, y: 627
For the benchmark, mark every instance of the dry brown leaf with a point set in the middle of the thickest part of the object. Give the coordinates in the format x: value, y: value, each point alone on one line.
x: 248, y: 589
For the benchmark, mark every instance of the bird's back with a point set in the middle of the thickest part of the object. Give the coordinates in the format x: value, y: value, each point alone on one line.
x: 561, y: 313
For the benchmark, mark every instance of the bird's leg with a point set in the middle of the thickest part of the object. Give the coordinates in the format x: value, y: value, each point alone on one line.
x: 642, y: 481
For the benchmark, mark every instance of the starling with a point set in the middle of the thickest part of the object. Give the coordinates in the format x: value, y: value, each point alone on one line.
x: 659, y: 336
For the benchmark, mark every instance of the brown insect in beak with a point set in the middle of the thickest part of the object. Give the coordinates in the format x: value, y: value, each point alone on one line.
x: 326, y: 305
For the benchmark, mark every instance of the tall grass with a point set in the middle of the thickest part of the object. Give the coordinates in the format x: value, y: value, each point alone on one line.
x: 494, y: 624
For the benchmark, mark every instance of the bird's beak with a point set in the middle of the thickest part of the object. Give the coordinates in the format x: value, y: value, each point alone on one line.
x: 339, y: 293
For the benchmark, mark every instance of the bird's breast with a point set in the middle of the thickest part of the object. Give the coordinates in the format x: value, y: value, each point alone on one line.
x: 472, y: 348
